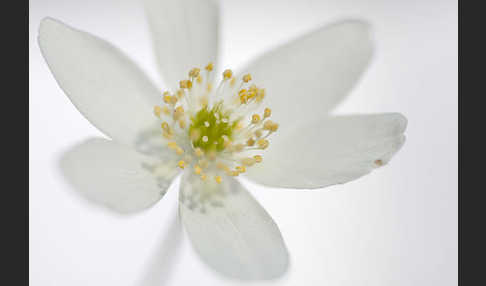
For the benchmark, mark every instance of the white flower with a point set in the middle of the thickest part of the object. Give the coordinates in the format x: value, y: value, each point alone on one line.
x: 215, y: 131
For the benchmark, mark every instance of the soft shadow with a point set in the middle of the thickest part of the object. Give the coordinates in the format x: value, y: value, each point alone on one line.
x: 160, y: 267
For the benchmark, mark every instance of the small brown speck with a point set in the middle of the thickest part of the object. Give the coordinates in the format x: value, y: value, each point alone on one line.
x: 379, y: 162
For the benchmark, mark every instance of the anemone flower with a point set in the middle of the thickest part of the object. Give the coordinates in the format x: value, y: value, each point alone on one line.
x: 270, y: 122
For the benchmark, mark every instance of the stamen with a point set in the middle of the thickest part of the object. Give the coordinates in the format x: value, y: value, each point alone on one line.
x: 212, y: 124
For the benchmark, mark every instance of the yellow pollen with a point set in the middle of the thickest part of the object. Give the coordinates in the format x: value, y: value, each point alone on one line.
x: 167, y: 98
x: 239, y: 147
x: 178, y: 112
x: 194, y: 72
x: 181, y: 164
x: 182, y: 123
x: 179, y: 150
x: 165, y: 126
x: 262, y: 143
x: 165, y: 110
x: 172, y: 145
x: 258, y: 133
x: 250, y: 142
x: 199, y: 79
x: 185, y: 84
x: 218, y: 179
x: 157, y: 110
x: 247, y: 77
x: 222, y: 166
x: 227, y: 74
x: 203, y: 177
x: 209, y: 67
x: 248, y: 161
x: 260, y: 95
x: 232, y: 173
x: 267, y: 113
x: 241, y: 169
x: 258, y: 158
x: 197, y: 170
x: 255, y: 118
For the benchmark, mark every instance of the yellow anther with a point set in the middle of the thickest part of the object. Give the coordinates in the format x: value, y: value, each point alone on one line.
x: 185, y: 84
x: 222, y: 166
x: 258, y: 158
x: 241, y: 169
x: 250, y: 142
x: 165, y: 126
x: 180, y: 93
x: 267, y: 112
x: 157, y: 110
x: 204, y: 177
x: 173, y: 100
x: 274, y: 127
x: 255, y: 118
x: 167, y: 98
x: 243, y: 95
x: 182, y: 123
x: 181, y: 164
x: 239, y: 147
x: 179, y: 150
x: 232, y: 173
x: 268, y: 125
x: 218, y: 179
x: 199, y: 79
x: 209, y: 67
x: 227, y: 74
x: 198, y: 152
x: 179, y: 110
x: 194, y: 72
x: 248, y: 161
x: 197, y: 169
x: 165, y: 110
x: 262, y: 143
x: 260, y: 95
x: 167, y: 135
x: 258, y: 133
x: 247, y: 77
x: 172, y: 145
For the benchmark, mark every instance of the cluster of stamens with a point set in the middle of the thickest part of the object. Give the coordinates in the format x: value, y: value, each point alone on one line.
x: 215, y: 131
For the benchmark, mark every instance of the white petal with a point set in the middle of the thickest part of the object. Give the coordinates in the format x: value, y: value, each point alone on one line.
x: 184, y: 34
x: 313, y: 73
x: 103, y: 84
x: 230, y: 230
x: 330, y: 151
x: 116, y: 176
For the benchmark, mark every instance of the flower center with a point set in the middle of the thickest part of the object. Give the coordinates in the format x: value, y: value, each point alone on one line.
x: 210, y: 128
x: 216, y: 132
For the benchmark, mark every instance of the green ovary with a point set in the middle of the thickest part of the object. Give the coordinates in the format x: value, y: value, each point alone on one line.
x: 211, y: 124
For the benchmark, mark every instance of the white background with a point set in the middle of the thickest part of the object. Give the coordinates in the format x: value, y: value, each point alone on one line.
x: 396, y: 226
